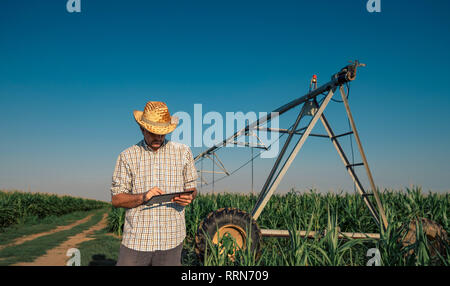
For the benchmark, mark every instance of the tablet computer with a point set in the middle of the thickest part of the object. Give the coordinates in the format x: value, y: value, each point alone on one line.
x: 164, y: 198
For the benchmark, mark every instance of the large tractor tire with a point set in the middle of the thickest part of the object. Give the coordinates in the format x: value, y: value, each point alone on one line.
x: 232, y: 222
x: 436, y: 236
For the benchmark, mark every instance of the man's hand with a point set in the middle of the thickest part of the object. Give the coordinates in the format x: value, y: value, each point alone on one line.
x: 185, y: 200
x: 155, y: 191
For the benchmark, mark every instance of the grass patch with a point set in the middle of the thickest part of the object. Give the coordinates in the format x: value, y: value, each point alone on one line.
x: 102, y: 251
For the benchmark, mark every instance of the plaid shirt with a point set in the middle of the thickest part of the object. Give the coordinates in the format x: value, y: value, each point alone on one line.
x: 171, y: 168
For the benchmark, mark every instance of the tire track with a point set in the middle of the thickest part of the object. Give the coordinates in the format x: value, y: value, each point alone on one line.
x: 57, y: 256
x: 26, y: 238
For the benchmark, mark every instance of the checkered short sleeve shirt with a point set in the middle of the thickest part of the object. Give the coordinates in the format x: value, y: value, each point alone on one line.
x: 138, y: 169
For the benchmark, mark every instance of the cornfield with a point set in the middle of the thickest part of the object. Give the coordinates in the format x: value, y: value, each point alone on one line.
x: 324, y: 213
x: 15, y: 207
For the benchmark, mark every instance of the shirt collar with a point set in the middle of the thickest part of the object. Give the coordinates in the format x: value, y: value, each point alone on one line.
x: 148, y: 148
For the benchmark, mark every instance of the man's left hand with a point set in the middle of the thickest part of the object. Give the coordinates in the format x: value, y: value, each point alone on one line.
x: 183, y: 200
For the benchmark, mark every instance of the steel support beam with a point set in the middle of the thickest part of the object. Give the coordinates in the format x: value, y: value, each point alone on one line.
x: 350, y: 170
x: 265, y: 188
x: 313, y: 234
x: 363, y: 156
x: 265, y: 195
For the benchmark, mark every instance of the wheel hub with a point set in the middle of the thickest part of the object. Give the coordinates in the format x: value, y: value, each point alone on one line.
x: 236, y: 232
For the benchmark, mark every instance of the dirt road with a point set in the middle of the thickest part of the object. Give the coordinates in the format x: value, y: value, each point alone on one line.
x: 57, y: 256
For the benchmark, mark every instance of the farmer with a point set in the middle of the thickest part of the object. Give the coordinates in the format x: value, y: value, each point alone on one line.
x: 153, y: 235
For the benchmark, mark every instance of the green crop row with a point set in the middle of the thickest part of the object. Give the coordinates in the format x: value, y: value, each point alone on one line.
x: 316, y: 211
x: 16, y: 207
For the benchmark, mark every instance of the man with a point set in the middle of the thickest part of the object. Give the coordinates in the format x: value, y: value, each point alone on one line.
x: 153, y: 235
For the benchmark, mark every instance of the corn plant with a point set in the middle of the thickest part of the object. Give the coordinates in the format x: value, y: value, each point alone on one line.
x: 315, y: 211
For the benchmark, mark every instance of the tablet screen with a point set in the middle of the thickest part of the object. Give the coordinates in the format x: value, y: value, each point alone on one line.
x: 164, y: 198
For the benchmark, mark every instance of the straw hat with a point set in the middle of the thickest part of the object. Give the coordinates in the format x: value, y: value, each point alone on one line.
x: 156, y: 118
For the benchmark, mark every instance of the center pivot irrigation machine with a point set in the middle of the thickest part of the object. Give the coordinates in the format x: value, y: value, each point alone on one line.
x: 237, y: 223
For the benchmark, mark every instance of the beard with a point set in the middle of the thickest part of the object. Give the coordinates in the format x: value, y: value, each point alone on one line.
x: 156, y: 142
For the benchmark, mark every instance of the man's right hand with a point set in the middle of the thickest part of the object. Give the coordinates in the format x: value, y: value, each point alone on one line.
x: 155, y: 191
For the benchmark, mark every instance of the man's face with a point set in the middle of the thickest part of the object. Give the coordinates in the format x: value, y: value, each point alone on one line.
x: 153, y: 140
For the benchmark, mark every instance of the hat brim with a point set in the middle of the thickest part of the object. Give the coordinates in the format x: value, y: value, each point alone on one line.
x: 160, y: 130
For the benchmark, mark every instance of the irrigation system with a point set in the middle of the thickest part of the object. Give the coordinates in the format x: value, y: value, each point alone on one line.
x: 238, y: 223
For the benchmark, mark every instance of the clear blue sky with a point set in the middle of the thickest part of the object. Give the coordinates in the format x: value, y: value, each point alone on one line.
x: 69, y: 84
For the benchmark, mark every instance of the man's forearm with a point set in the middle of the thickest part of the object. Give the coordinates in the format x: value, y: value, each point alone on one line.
x: 128, y: 201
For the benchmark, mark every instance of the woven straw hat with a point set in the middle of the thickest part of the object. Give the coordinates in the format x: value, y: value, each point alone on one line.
x: 156, y: 118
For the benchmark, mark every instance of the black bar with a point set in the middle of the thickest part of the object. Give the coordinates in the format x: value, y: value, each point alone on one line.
x: 353, y: 165
x: 367, y: 194
x: 343, y: 134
